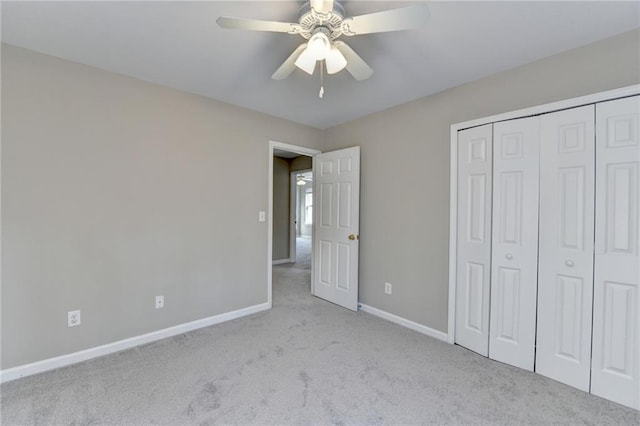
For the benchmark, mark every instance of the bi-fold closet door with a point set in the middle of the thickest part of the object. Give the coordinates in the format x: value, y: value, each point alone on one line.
x: 565, y: 281
x: 473, y: 267
x: 497, y: 240
x: 547, y: 263
x: 514, y: 242
x: 588, y: 332
x: 615, y: 361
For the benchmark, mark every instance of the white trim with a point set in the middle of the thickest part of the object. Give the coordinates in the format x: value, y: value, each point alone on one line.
x: 525, y: 112
x: 436, y: 334
x: 293, y: 205
x: 453, y: 236
x: 553, y: 106
x: 290, y: 148
x: 281, y: 261
x: 84, y: 355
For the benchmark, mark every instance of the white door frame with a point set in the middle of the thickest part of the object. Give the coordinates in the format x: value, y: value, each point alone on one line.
x: 453, y: 202
x: 290, y: 148
x: 293, y: 215
x: 293, y: 212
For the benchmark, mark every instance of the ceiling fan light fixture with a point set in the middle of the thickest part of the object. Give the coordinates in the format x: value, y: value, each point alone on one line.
x: 322, y: 22
x: 319, y: 45
x: 335, y: 61
x: 306, y: 62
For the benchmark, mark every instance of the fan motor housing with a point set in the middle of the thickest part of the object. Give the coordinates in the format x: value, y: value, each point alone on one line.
x: 310, y: 20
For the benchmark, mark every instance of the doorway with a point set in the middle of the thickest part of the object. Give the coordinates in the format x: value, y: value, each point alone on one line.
x: 288, y: 206
x: 335, y: 224
x: 301, y: 215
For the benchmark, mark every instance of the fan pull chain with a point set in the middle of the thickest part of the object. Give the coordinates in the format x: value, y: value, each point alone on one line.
x: 321, y: 94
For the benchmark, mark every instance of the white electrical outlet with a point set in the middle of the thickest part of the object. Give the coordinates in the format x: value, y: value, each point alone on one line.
x: 262, y: 216
x: 73, y: 318
x: 387, y: 288
x: 159, y: 302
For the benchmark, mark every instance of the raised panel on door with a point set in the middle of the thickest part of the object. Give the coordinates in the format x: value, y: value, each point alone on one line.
x: 514, y: 246
x: 565, y: 270
x: 474, y: 238
x: 616, y: 301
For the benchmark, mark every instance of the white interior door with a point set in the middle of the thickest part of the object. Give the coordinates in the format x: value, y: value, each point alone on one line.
x: 473, y: 259
x: 565, y: 275
x: 514, y: 246
x: 336, y: 214
x: 616, y: 299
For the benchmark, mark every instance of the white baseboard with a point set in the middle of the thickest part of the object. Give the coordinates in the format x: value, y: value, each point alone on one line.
x: 436, y: 334
x: 281, y: 261
x: 75, y: 357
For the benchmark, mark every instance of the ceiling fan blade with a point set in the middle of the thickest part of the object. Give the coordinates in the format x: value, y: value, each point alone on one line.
x: 322, y: 6
x: 355, y: 65
x: 405, y: 18
x: 255, y: 25
x: 289, y: 64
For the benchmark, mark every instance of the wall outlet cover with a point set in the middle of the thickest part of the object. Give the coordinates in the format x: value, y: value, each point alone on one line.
x: 159, y: 302
x: 73, y: 318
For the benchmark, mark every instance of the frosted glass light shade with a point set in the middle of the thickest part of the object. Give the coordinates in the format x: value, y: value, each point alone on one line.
x: 319, y: 45
x: 306, y: 62
x: 335, y: 61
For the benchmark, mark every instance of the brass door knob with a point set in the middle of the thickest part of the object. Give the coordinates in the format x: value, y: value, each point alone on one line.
x: 353, y: 237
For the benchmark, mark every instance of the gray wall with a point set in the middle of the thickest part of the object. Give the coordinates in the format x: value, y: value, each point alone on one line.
x: 281, y: 209
x: 302, y: 162
x: 115, y: 190
x: 404, y: 213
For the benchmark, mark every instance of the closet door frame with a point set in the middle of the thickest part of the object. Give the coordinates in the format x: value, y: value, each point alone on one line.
x: 453, y: 190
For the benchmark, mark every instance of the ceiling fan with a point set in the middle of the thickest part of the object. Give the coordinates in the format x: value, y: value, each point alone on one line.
x: 301, y: 180
x: 322, y: 22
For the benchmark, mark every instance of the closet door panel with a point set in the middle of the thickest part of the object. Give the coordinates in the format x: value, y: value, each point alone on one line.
x: 514, y: 260
x: 566, y: 229
x: 474, y: 238
x: 616, y: 304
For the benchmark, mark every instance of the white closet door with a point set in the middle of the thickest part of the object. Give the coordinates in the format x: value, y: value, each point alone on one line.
x: 565, y: 275
x: 616, y: 300
x: 514, y: 247
x: 474, y: 239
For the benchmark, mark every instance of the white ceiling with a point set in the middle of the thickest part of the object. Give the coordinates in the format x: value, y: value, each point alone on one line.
x: 178, y: 44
